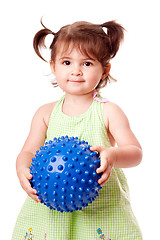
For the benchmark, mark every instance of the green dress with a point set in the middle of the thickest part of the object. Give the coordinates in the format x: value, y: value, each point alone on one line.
x: 111, y: 211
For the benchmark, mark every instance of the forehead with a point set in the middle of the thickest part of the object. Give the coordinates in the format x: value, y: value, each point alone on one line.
x: 67, y: 48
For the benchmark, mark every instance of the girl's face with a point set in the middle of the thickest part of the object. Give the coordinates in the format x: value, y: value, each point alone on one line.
x: 75, y: 73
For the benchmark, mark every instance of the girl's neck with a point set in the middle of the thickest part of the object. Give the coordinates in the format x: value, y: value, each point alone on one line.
x: 75, y: 105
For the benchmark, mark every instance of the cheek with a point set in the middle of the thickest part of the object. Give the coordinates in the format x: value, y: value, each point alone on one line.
x: 96, y: 77
x: 93, y: 82
x: 60, y: 74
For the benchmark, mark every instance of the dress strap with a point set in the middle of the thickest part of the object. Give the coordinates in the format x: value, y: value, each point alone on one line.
x: 98, y: 98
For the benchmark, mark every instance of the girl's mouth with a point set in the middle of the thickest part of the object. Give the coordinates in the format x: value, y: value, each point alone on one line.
x: 75, y: 81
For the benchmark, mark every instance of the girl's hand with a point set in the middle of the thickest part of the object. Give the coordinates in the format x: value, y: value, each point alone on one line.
x: 24, y: 177
x: 108, y: 160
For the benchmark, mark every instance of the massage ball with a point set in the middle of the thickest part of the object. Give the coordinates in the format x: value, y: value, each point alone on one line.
x: 64, y: 174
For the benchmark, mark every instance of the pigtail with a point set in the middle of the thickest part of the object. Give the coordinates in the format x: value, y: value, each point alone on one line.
x: 115, y: 34
x: 39, y: 40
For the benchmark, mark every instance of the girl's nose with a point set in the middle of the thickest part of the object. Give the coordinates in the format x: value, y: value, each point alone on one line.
x: 76, y: 71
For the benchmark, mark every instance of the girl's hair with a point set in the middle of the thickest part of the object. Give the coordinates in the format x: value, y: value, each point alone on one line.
x: 100, y: 41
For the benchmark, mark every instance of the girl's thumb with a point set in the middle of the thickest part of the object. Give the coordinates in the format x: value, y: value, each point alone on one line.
x: 96, y: 148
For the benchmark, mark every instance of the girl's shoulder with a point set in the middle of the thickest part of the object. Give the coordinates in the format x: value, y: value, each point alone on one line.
x: 111, y: 106
x: 44, y: 112
x: 113, y: 113
x: 47, y: 107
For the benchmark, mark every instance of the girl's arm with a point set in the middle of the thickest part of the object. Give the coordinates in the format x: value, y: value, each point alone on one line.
x: 35, y: 139
x: 128, y: 153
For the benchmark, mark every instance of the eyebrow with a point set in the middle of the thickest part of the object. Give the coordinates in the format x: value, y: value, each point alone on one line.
x: 83, y: 59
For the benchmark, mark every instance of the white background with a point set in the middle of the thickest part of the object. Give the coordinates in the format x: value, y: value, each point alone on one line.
x: 23, y: 88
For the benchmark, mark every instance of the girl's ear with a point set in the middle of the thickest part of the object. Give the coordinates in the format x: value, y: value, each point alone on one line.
x: 52, y: 66
x: 107, y: 69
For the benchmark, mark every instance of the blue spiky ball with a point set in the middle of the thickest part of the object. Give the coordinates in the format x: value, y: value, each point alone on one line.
x: 64, y: 174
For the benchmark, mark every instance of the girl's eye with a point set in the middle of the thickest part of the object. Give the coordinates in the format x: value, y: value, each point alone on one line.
x: 66, y: 63
x: 87, y: 64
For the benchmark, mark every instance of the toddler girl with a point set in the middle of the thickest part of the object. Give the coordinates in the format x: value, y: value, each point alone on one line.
x: 80, y: 60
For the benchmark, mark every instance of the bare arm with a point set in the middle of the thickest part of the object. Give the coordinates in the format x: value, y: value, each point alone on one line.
x: 35, y: 139
x: 128, y: 153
